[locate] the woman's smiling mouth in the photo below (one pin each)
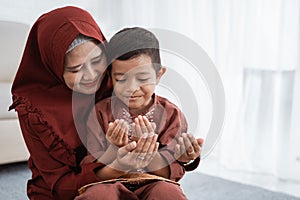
(90, 84)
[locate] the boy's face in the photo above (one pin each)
(134, 82)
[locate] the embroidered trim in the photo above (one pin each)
(129, 119)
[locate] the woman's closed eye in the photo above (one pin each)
(120, 80)
(73, 69)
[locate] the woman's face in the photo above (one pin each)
(83, 68)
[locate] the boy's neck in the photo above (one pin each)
(141, 111)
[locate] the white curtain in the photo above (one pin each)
(255, 47)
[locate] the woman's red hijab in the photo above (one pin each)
(39, 84)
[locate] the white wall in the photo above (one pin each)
(27, 11)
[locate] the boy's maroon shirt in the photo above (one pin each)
(170, 124)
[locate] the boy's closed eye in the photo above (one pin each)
(122, 80)
(143, 79)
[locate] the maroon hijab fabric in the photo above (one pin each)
(39, 79)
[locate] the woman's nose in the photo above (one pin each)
(90, 73)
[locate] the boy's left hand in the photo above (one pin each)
(141, 128)
(188, 148)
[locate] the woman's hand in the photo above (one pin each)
(188, 148)
(145, 147)
(136, 155)
(117, 133)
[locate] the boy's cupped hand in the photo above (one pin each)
(117, 133)
(188, 148)
(142, 128)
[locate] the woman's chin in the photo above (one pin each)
(87, 91)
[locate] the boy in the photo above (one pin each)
(134, 111)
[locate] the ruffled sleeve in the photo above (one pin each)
(53, 159)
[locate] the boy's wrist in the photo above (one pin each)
(191, 165)
(184, 163)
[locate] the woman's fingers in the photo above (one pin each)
(140, 144)
(123, 151)
(139, 157)
(125, 159)
(151, 153)
(146, 141)
(146, 150)
(141, 154)
(150, 145)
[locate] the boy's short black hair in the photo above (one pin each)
(133, 42)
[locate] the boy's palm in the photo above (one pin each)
(117, 133)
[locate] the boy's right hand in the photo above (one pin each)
(117, 133)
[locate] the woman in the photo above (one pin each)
(43, 99)
(61, 43)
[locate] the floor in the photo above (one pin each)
(210, 166)
(13, 178)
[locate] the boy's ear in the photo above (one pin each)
(160, 73)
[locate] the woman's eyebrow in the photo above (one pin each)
(118, 74)
(96, 57)
(76, 66)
